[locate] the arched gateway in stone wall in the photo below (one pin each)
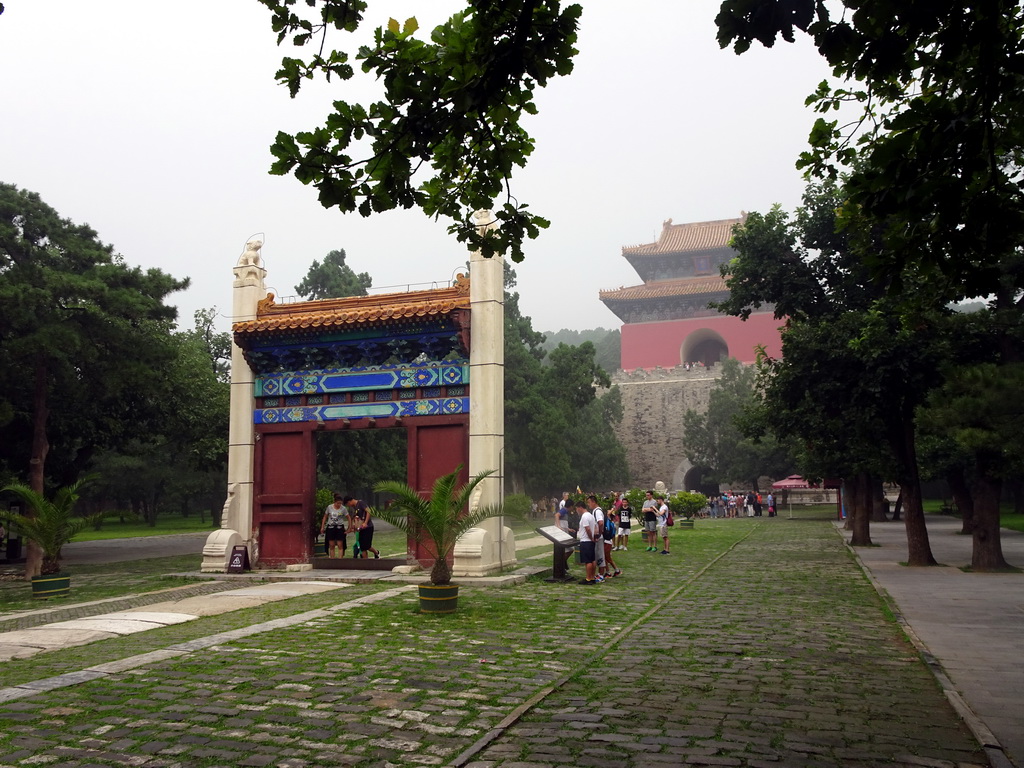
(429, 362)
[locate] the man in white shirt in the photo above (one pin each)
(663, 524)
(587, 535)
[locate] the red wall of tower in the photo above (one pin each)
(647, 345)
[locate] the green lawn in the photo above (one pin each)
(1007, 517)
(1011, 520)
(130, 528)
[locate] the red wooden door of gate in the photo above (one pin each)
(285, 492)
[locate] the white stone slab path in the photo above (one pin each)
(24, 643)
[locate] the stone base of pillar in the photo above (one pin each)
(477, 553)
(217, 551)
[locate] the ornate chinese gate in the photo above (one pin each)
(370, 362)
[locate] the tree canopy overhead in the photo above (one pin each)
(451, 111)
(937, 135)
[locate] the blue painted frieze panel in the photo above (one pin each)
(361, 379)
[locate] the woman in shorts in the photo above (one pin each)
(333, 527)
(625, 523)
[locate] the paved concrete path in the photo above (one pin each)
(972, 624)
(140, 548)
(756, 643)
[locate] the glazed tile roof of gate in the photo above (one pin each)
(357, 311)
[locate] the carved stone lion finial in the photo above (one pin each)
(251, 255)
(484, 220)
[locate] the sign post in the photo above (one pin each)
(562, 543)
(239, 561)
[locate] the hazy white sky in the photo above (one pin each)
(151, 122)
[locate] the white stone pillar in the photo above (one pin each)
(491, 546)
(249, 288)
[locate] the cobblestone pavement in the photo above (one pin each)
(756, 643)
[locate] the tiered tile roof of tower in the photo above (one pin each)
(682, 238)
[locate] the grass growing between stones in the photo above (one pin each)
(767, 655)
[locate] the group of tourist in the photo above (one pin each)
(344, 516)
(750, 504)
(601, 533)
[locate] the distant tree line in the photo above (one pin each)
(94, 376)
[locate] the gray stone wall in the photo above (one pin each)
(651, 430)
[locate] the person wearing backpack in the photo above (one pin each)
(608, 532)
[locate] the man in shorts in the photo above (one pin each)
(662, 521)
(625, 523)
(588, 536)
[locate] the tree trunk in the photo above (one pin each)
(919, 551)
(987, 549)
(37, 461)
(879, 506)
(897, 510)
(1017, 491)
(861, 510)
(962, 498)
(215, 513)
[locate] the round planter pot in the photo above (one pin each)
(51, 585)
(685, 524)
(443, 599)
(320, 549)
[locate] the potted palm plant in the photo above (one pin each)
(50, 523)
(440, 519)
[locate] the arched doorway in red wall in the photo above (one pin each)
(703, 346)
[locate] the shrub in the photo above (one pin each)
(518, 505)
(686, 503)
(324, 498)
